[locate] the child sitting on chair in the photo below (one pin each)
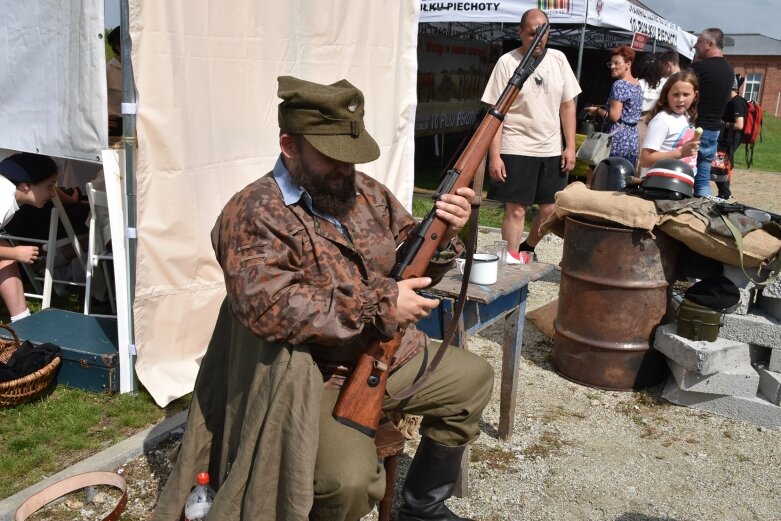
(24, 179)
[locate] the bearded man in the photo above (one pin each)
(306, 251)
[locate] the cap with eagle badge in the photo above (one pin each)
(330, 117)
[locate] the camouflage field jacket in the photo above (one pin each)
(293, 277)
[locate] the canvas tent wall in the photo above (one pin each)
(206, 126)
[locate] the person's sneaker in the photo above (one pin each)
(521, 257)
(513, 257)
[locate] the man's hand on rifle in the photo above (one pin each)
(454, 209)
(411, 307)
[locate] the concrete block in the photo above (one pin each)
(700, 356)
(770, 384)
(756, 410)
(773, 290)
(755, 328)
(774, 364)
(770, 305)
(747, 288)
(746, 302)
(742, 380)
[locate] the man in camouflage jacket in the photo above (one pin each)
(306, 251)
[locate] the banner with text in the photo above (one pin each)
(622, 14)
(558, 11)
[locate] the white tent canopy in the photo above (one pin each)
(620, 15)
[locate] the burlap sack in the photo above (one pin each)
(606, 207)
(758, 246)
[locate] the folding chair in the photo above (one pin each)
(97, 250)
(49, 249)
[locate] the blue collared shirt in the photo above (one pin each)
(292, 192)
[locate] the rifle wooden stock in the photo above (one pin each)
(360, 401)
(361, 398)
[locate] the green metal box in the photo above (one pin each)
(697, 322)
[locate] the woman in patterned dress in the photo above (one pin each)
(623, 106)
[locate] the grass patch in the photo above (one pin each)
(491, 215)
(767, 152)
(561, 412)
(41, 438)
(548, 444)
(495, 457)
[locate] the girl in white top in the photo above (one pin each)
(24, 179)
(670, 134)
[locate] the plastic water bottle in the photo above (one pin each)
(200, 499)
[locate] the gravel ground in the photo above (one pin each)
(584, 453)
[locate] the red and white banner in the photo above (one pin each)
(638, 41)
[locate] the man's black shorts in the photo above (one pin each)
(529, 180)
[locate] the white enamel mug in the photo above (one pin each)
(485, 267)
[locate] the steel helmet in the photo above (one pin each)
(669, 179)
(612, 174)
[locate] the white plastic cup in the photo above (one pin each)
(485, 268)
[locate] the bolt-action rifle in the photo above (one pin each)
(360, 401)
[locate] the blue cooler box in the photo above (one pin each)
(88, 346)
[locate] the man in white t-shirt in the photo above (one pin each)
(527, 161)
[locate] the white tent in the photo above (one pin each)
(628, 16)
(206, 126)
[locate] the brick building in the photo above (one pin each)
(758, 58)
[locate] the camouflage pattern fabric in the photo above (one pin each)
(293, 277)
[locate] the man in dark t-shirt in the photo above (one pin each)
(716, 77)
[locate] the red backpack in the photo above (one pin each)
(752, 129)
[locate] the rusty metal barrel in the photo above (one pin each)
(615, 287)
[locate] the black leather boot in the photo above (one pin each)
(430, 481)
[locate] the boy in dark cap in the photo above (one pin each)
(24, 179)
(306, 251)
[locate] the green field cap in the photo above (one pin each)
(330, 117)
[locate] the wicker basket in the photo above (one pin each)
(28, 387)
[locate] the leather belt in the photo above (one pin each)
(68, 485)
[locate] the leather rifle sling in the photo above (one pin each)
(72, 484)
(477, 186)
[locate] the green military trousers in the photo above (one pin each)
(349, 480)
